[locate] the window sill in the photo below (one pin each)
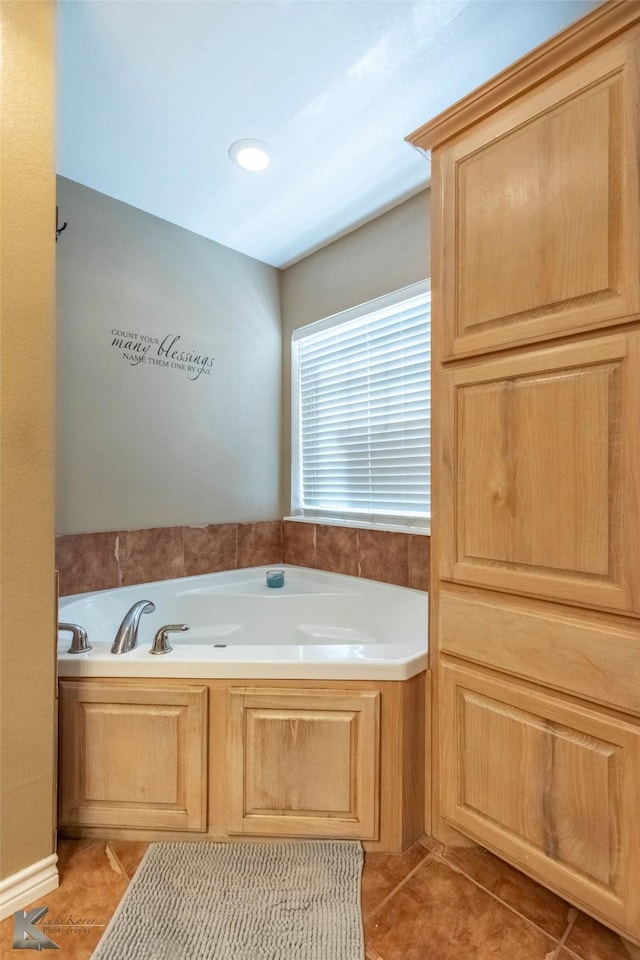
(424, 531)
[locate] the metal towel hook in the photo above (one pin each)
(59, 228)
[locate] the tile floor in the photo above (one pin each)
(431, 903)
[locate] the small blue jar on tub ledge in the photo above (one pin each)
(275, 578)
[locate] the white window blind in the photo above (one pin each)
(362, 396)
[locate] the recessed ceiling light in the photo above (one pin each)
(250, 154)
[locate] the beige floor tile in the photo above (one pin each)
(440, 905)
(590, 940)
(536, 903)
(430, 843)
(81, 907)
(129, 853)
(438, 914)
(383, 872)
(90, 886)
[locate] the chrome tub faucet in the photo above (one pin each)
(161, 640)
(79, 640)
(127, 635)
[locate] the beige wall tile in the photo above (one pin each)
(384, 556)
(210, 549)
(337, 549)
(148, 555)
(87, 562)
(259, 543)
(299, 544)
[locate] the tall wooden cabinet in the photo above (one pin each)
(535, 593)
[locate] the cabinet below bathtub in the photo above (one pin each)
(170, 759)
(304, 761)
(133, 755)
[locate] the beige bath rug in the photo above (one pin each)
(241, 901)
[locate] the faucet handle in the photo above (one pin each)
(161, 639)
(79, 640)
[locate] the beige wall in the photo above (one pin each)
(384, 255)
(144, 446)
(27, 639)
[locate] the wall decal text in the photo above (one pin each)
(166, 353)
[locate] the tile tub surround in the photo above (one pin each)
(87, 561)
(429, 903)
(398, 558)
(101, 561)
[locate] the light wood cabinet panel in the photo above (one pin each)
(360, 746)
(304, 763)
(535, 547)
(540, 210)
(543, 448)
(593, 656)
(549, 783)
(133, 755)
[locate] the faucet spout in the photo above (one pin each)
(127, 635)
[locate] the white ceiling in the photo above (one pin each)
(153, 92)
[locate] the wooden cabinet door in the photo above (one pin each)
(133, 755)
(547, 783)
(539, 493)
(304, 763)
(539, 232)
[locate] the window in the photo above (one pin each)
(360, 408)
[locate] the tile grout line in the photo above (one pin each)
(371, 954)
(396, 888)
(573, 916)
(489, 893)
(436, 846)
(112, 854)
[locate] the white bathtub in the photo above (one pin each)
(318, 626)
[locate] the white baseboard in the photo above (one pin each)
(28, 885)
